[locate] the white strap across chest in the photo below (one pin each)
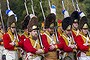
(51, 40)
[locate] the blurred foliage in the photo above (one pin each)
(18, 7)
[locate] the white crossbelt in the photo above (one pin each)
(52, 41)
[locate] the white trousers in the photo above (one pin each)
(1, 52)
(10, 55)
(84, 57)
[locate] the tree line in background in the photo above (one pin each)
(19, 9)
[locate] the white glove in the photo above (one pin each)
(85, 44)
(39, 51)
(12, 43)
(52, 47)
(72, 46)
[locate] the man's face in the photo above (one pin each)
(51, 31)
(13, 29)
(68, 32)
(34, 33)
(85, 31)
(26, 30)
(75, 25)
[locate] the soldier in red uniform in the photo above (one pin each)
(11, 41)
(24, 27)
(83, 40)
(25, 34)
(75, 17)
(51, 37)
(35, 47)
(67, 40)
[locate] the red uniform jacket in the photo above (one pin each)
(22, 41)
(62, 45)
(7, 41)
(29, 48)
(80, 42)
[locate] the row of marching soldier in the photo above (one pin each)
(35, 44)
(69, 40)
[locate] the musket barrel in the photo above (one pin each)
(2, 19)
(49, 4)
(8, 5)
(42, 10)
(63, 5)
(32, 7)
(73, 4)
(26, 7)
(40, 39)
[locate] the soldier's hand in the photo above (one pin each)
(52, 47)
(12, 43)
(85, 44)
(39, 51)
(72, 46)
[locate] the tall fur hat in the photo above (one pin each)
(66, 23)
(49, 20)
(75, 16)
(83, 21)
(25, 22)
(33, 24)
(11, 20)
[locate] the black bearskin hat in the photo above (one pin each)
(33, 24)
(66, 22)
(83, 21)
(25, 22)
(75, 16)
(49, 20)
(11, 20)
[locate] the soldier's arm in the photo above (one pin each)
(65, 47)
(28, 46)
(80, 43)
(45, 43)
(7, 41)
(21, 41)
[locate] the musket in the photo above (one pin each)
(8, 9)
(15, 19)
(73, 4)
(49, 4)
(42, 11)
(40, 39)
(63, 6)
(32, 7)
(77, 6)
(26, 7)
(8, 5)
(2, 19)
(56, 34)
(75, 52)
